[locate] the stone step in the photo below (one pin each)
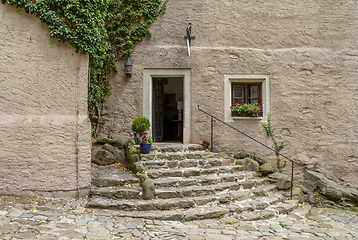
(281, 208)
(181, 192)
(170, 204)
(177, 215)
(168, 178)
(172, 156)
(186, 163)
(239, 201)
(112, 176)
(176, 148)
(191, 172)
(196, 191)
(117, 192)
(187, 209)
(249, 205)
(264, 190)
(204, 180)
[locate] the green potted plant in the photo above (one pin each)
(139, 126)
(145, 144)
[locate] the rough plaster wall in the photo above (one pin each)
(43, 83)
(308, 48)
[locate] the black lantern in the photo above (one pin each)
(128, 68)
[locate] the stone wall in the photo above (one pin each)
(309, 49)
(43, 108)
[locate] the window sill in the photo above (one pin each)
(247, 118)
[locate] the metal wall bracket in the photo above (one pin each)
(188, 37)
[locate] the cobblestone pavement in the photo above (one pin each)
(40, 218)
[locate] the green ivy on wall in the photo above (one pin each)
(105, 29)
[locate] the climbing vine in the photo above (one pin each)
(105, 29)
(278, 146)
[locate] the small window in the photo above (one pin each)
(246, 89)
(246, 93)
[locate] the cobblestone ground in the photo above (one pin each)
(40, 218)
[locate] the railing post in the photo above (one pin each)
(291, 180)
(212, 134)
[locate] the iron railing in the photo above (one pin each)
(212, 139)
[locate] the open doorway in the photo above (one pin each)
(168, 109)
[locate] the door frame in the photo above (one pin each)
(148, 75)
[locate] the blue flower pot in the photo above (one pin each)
(145, 147)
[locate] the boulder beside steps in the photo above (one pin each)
(190, 183)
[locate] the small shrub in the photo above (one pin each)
(140, 124)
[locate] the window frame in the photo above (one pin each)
(231, 80)
(246, 98)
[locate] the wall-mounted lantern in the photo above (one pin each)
(128, 68)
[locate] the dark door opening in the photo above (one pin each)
(168, 109)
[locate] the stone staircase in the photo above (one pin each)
(190, 183)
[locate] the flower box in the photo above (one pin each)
(246, 110)
(245, 114)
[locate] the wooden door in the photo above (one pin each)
(158, 110)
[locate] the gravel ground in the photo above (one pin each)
(43, 218)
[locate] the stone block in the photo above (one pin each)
(187, 182)
(258, 205)
(173, 164)
(172, 173)
(153, 175)
(266, 168)
(188, 163)
(191, 172)
(246, 206)
(224, 199)
(238, 196)
(203, 191)
(166, 193)
(283, 181)
(228, 178)
(237, 168)
(315, 181)
(249, 164)
(103, 157)
(235, 208)
(247, 184)
(145, 206)
(214, 162)
(204, 200)
(154, 164)
(209, 171)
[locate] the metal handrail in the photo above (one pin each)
(212, 127)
